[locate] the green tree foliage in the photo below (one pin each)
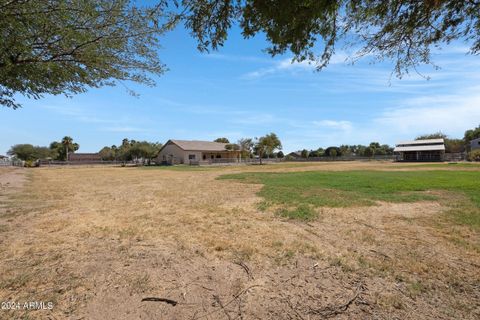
(123, 152)
(329, 152)
(107, 154)
(403, 31)
(221, 140)
(246, 147)
(64, 47)
(451, 144)
(345, 150)
(131, 150)
(471, 134)
(385, 149)
(280, 155)
(60, 149)
(304, 153)
(474, 155)
(374, 148)
(359, 150)
(267, 144)
(436, 135)
(369, 152)
(28, 152)
(454, 145)
(232, 147)
(312, 153)
(144, 150)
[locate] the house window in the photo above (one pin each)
(191, 157)
(219, 156)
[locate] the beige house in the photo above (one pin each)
(194, 151)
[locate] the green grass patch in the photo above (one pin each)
(297, 191)
(301, 212)
(460, 165)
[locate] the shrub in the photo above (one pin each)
(474, 155)
(31, 163)
(301, 212)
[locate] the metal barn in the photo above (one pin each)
(420, 150)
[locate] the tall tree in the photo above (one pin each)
(267, 144)
(28, 152)
(69, 145)
(144, 150)
(61, 149)
(107, 153)
(66, 46)
(67, 142)
(304, 154)
(374, 147)
(403, 31)
(471, 134)
(436, 135)
(221, 140)
(246, 146)
(132, 150)
(451, 144)
(329, 152)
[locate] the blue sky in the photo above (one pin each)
(240, 91)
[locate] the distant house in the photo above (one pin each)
(420, 150)
(3, 157)
(193, 151)
(475, 144)
(84, 157)
(295, 155)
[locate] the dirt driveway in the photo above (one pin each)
(95, 242)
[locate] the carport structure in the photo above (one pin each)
(420, 150)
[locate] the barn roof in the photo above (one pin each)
(420, 142)
(421, 145)
(438, 147)
(296, 154)
(198, 145)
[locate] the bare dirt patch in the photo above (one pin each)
(96, 241)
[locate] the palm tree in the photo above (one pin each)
(67, 142)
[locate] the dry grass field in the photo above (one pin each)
(95, 241)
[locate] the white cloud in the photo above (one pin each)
(334, 124)
(288, 65)
(280, 66)
(236, 58)
(451, 114)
